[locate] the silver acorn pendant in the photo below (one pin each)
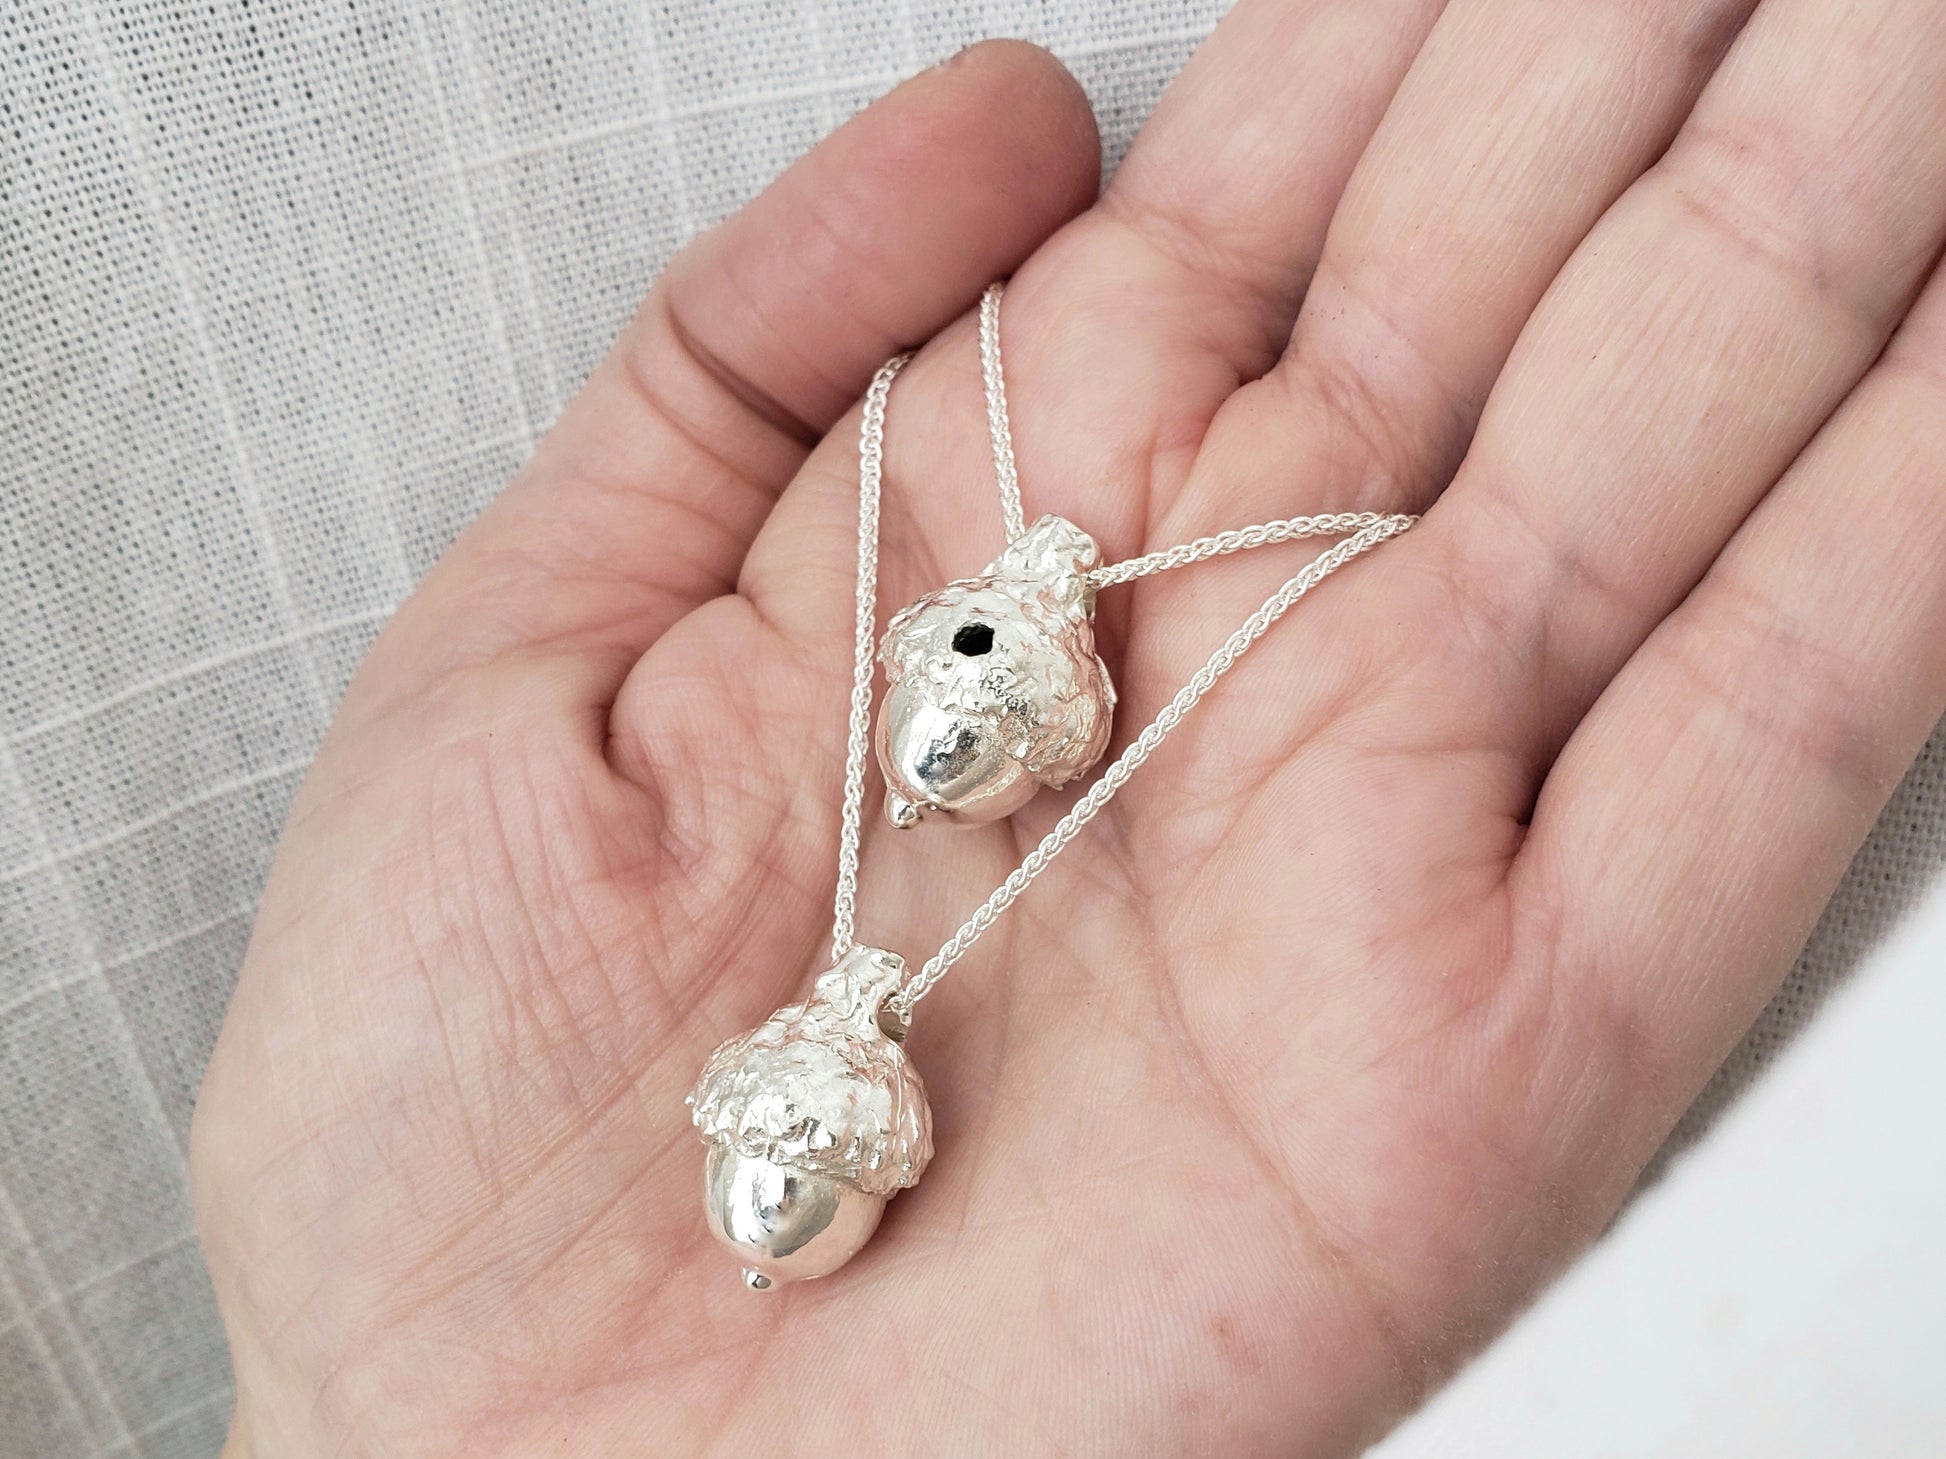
(814, 1120)
(996, 688)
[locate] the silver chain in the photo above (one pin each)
(1368, 529)
(871, 477)
(1240, 539)
(995, 384)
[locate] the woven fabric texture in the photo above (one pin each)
(287, 290)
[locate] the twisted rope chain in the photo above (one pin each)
(871, 477)
(1240, 539)
(1368, 529)
(995, 384)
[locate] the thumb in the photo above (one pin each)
(642, 501)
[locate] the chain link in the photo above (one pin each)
(871, 476)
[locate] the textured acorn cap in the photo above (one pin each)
(822, 1087)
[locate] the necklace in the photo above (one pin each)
(816, 1118)
(994, 686)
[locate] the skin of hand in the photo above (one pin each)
(1359, 1012)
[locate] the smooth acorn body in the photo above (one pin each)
(995, 686)
(814, 1119)
(785, 1224)
(947, 760)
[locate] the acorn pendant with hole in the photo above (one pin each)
(996, 688)
(814, 1119)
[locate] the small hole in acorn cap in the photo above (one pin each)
(973, 639)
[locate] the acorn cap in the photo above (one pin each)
(822, 1086)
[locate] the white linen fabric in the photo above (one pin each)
(287, 289)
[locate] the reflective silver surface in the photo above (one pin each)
(946, 761)
(814, 1119)
(783, 1223)
(996, 688)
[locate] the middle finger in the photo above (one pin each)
(1520, 122)
(1699, 337)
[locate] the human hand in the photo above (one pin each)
(1360, 1011)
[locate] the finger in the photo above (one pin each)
(1520, 122)
(1709, 324)
(643, 500)
(1125, 334)
(1701, 816)
(1230, 186)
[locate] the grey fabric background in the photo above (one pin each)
(286, 290)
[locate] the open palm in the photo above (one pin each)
(1363, 1006)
